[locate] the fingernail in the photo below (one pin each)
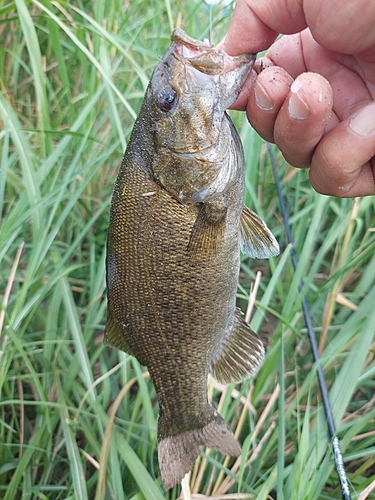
(363, 123)
(262, 98)
(297, 107)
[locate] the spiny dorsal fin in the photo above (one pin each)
(114, 335)
(257, 241)
(240, 354)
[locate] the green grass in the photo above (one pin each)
(78, 420)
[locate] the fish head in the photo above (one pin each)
(189, 91)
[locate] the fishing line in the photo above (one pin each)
(339, 463)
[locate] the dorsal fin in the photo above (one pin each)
(114, 335)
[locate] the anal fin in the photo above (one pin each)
(114, 335)
(257, 241)
(240, 353)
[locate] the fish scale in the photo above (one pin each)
(177, 222)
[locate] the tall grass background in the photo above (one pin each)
(77, 419)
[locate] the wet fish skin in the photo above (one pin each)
(177, 222)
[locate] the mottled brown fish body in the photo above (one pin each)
(173, 254)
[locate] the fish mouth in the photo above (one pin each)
(178, 35)
(204, 57)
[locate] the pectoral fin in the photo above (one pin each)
(257, 241)
(207, 233)
(240, 354)
(114, 335)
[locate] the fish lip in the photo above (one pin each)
(178, 35)
(188, 154)
(204, 57)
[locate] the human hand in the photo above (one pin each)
(314, 95)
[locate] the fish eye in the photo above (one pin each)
(167, 99)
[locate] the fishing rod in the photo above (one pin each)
(339, 462)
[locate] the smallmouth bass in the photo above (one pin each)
(177, 224)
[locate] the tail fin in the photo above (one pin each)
(177, 454)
